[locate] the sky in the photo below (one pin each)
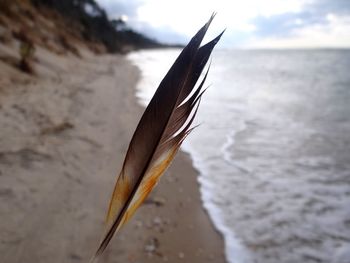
(248, 23)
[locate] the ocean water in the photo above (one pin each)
(272, 150)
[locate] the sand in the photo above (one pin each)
(63, 137)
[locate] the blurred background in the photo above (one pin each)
(272, 152)
(249, 24)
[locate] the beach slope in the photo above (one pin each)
(63, 138)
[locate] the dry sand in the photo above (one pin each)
(63, 136)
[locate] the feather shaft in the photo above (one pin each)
(164, 125)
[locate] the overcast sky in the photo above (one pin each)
(248, 23)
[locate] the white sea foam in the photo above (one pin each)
(235, 251)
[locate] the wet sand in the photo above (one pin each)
(63, 137)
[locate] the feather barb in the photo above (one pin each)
(163, 126)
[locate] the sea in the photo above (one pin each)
(272, 150)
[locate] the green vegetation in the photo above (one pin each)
(26, 51)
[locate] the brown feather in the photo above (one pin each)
(162, 128)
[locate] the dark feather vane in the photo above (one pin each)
(163, 126)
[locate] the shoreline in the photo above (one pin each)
(144, 92)
(172, 234)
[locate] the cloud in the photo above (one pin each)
(334, 33)
(276, 22)
(323, 7)
(312, 14)
(121, 7)
(320, 23)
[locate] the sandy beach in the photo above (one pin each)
(63, 137)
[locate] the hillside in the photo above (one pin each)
(64, 26)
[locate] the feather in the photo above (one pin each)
(163, 126)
